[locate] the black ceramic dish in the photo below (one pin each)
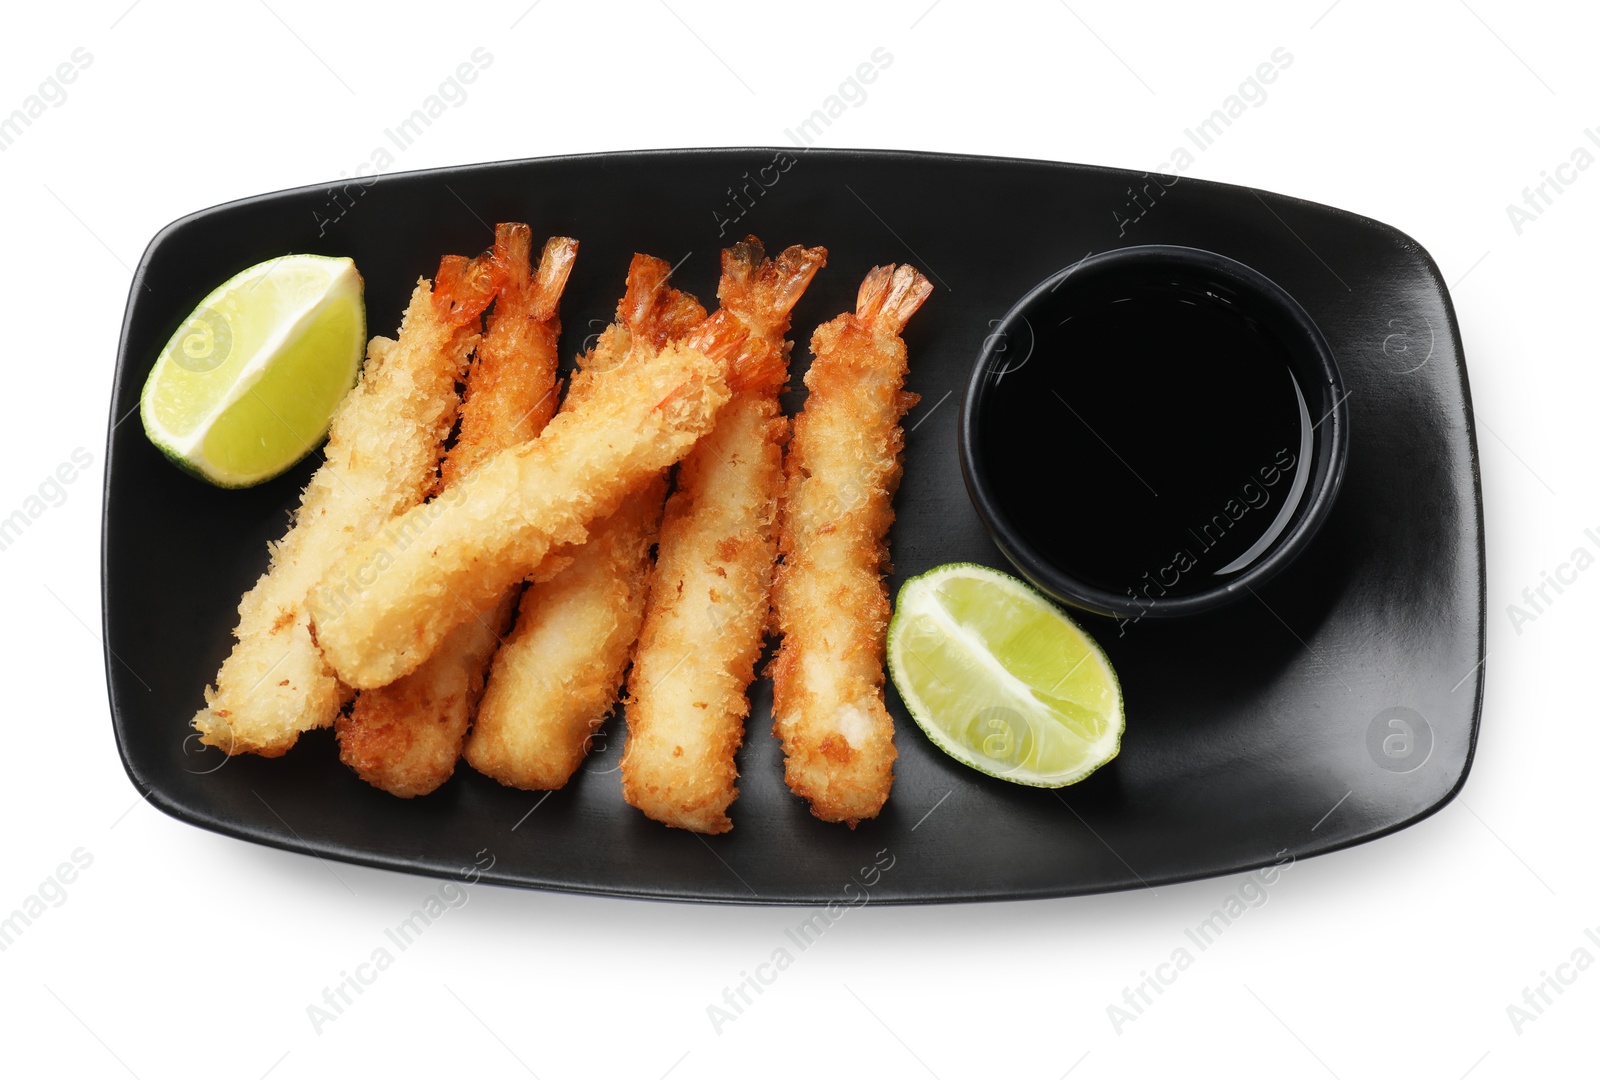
(1255, 733)
(1261, 307)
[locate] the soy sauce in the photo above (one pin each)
(1150, 437)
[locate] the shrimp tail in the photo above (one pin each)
(513, 242)
(464, 287)
(764, 291)
(555, 265)
(653, 310)
(757, 295)
(890, 295)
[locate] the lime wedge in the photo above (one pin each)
(1001, 679)
(248, 384)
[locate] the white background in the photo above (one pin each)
(181, 953)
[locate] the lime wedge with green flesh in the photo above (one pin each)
(248, 384)
(1000, 679)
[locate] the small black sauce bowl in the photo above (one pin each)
(1230, 282)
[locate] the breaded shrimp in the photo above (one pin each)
(405, 737)
(708, 604)
(556, 678)
(512, 390)
(380, 459)
(557, 675)
(650, 315)
(386, 605)
(830, 603)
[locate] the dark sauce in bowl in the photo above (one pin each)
(1144, 433)
(1154, 432)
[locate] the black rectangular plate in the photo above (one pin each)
(1253, 735)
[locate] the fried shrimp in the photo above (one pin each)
(709, 594)
(406, 737)
(830, 603)
(386, 605)
(556, 677)
(380, 460)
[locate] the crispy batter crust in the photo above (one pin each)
(704, 623)
(380, 459)
(556, 677)
(385, 607)
(558, 674)
(830, 603)
(512, 389)
(406, 737)
(709, 595)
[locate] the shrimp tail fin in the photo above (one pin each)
(757, 295)
(763, 291)
(464, 287)
(651, 308)
(891, 295)
(513, 244)
(555, 266)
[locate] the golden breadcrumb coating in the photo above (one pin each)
(558, 674)
(830, 603)
(380, 460)
(406, 737)
(709, 596)
(385, 606)
(556, 677)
